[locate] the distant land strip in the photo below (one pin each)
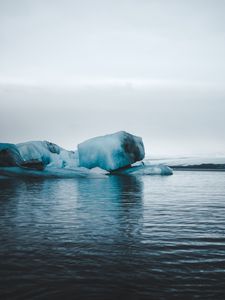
(201, 167)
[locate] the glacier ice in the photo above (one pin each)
(42, 159)
(49, 154)
(118, 153)
(111, 152)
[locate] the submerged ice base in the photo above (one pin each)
(52, 173)
(81, 172)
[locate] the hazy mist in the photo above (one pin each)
(70, 70)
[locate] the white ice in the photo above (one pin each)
(141, 169)
(111, 151)
(56, 158)
(93, 159)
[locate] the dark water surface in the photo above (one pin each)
(149, 237)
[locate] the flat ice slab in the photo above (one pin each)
(111, 152)
(140, 169)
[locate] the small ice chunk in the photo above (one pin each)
(53, 147)
(100, 171)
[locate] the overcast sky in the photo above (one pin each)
(70, 70)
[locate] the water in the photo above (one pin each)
(149, 237)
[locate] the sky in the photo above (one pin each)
(71, 70)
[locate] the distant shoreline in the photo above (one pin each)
(202, 167)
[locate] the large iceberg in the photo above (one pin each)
(111, 152)
(118, 153)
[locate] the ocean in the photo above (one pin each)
(119, 237)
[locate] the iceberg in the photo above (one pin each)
(111, 152)
(119, 153)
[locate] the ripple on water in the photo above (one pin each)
(130, 237)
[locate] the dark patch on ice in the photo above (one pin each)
(53, 147)
(9, 156)
(131, 148)
(34, 164)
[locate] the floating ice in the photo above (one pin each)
(111, 152)
(142, 169)
(97, 157)
(42, 159)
